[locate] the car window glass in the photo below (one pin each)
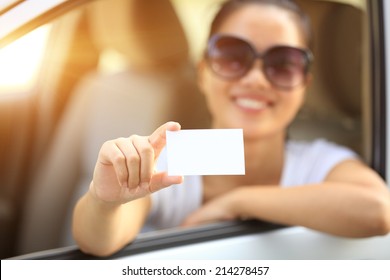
(18, 67)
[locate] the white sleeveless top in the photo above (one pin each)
(306, 163)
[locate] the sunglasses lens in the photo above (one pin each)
(229, 57)
(286, 67)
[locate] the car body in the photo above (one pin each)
(104, 60)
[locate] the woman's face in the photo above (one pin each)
(252, 102)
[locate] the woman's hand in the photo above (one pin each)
(221, 208)
(124, 169)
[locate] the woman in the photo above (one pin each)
(253, 76)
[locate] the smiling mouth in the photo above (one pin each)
(250, 103)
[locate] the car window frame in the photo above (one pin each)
(40, 17)
(163, 239)
(378, 87)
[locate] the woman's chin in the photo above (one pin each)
(260, 132)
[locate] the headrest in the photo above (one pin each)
(148, 33)
(338, 40)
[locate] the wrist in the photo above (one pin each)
(238, 203)
(96, 200)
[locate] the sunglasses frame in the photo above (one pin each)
(307, 54)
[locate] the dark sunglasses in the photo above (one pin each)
(231, 58)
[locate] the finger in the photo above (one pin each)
(161, 180)
(201, 216)
(196, 218)
(158, 138)
(189, 221)
(110, 154)
(146, 153)
(212, 211)
(132, 160)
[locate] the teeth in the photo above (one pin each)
(250, 103)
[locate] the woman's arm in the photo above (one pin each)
(353, 201)
(102, 228)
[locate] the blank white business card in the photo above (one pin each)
(205, 152)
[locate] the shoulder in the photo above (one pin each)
(317, 147)
(311, 161)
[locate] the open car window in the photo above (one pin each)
(95, 68)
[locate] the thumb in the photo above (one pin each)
(161, 180)
(158, 138)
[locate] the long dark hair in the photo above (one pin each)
(229, 6)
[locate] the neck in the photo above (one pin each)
(264, 157)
